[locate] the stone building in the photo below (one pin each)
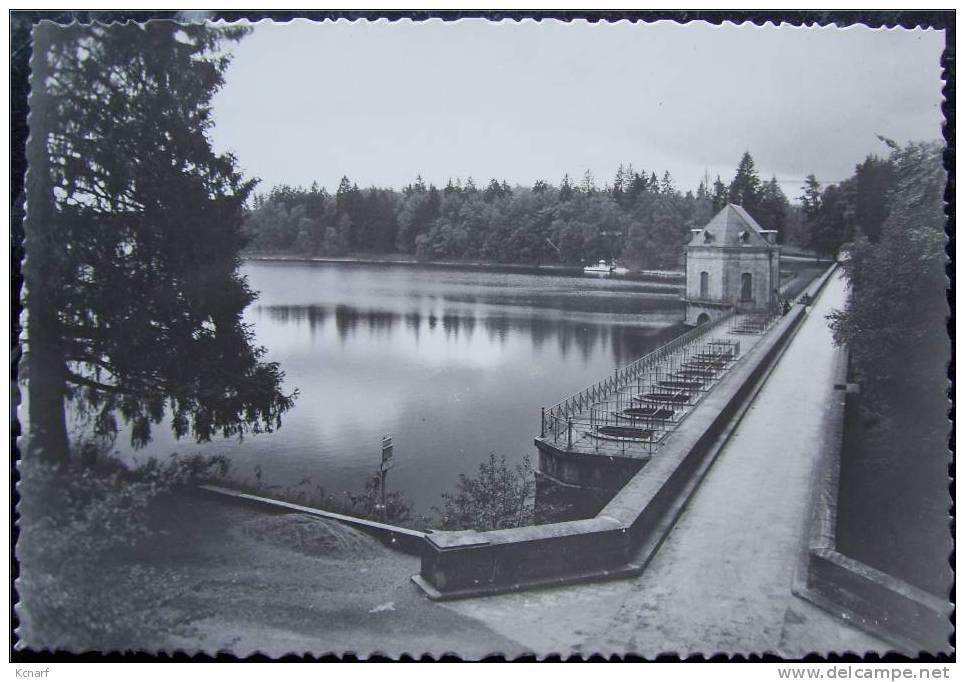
(731, 263)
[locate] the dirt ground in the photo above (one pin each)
(254, 582)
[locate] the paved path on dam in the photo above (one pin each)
(722, 580)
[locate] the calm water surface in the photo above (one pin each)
(453, 365)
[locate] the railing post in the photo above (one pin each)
(569, 433)
(542, 422)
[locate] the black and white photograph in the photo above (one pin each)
(425, 336)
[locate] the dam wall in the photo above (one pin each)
(620, 540)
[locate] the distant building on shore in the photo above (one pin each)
(732, 263)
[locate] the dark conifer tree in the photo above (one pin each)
(133, 295)
(811, 198)
(772, 208)
(745, 188)
(875, 179)
(720, 195)
(588, 186)
(566, 188)
(493, 190)
(666, 185)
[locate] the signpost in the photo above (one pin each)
(386, 452)
(384, 469)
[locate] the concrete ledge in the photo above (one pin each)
(403, 539)
(470, 563)
(628, 570)
(578, 469)
(900, 613)
(907, 617)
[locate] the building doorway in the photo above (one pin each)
(746, 287)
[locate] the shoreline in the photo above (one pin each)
(672, 277)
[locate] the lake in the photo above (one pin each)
(452, 364)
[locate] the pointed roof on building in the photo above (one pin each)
(733, 226)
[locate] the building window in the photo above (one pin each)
(704, 277)
(746, 287)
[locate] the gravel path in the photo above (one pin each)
(253, 582)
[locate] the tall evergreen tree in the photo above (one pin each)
(772, 208)
(745, 188)
(720, 195)
(666, 184)
(494, 190)
(875, 179)
(811, 198)
(343, 196)
(566, 188)
(702, 191)
(588, 186)
(832, 225)
(619, 184)
(133, 296)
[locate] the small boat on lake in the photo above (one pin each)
(605, 268)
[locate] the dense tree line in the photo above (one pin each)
(639, 218)
(843, 212)
(889, 219)
(894, 322)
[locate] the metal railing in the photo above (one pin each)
(642, 412)
(757, 322)
(621, 378)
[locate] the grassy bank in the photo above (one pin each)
(114, 560)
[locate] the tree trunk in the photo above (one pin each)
(46, 386)
(46, 367)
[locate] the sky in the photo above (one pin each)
(383, 102)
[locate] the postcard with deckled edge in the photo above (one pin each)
(482, 338)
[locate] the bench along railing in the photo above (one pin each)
(621, 378)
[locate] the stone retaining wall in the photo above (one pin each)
(396, 537)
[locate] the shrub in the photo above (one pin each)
(80, 586)
(364, 504)
(500, 496)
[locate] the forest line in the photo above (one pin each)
(638, 218)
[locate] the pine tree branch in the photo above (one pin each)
(79, 380)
